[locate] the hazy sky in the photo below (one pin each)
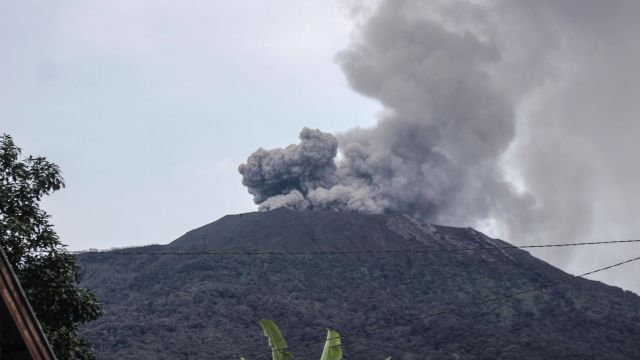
(149, 106)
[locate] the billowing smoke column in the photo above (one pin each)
(477, 96)
(284, 177)
(435, 151)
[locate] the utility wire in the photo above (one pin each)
(486, 300)
(337, 252)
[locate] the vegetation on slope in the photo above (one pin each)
(206, 306)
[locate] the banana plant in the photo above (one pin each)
(332, 347)
(276, 340)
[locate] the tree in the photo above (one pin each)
(47, 272)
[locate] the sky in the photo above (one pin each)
(150, 106)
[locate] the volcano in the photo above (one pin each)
(200, 305)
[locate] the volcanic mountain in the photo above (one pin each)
(199, 305)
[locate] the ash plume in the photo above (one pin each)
(435, 151)
(282, 177)
(517, 117)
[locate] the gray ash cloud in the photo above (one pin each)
(435, 150)
(283, 177)
(480, 98)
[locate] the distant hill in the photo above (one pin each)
(208, 306)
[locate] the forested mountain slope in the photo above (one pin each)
(208, 306)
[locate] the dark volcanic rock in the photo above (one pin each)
(208, 306)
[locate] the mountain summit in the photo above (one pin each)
(203, 306)
(290, 230)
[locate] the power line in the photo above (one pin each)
(486, 300)
(337, 252)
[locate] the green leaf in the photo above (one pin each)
(332, 347)
(276, 340)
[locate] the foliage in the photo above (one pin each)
(276, 340)
(332, 347)
(48, 274)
